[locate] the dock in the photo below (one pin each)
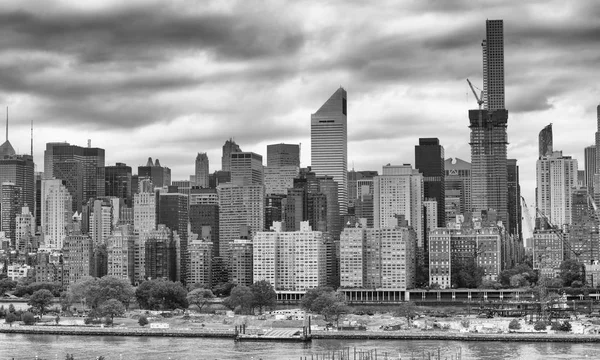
(279, 335)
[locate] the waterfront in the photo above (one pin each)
(27, 346)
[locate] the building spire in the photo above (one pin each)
(7, 123)
(31, 137)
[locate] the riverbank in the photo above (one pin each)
(332, 335)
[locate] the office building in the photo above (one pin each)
(399, 191)
(582, 234)
(219, 177)
(202, 216)
(19, 170)
(429, 160)
(273, 210)
(590, 167)
(239, 206)
(458, 187)
(11, 204)
(279, 179)
(201, 171)
(246, 169)
(161, 233)
(81, 167)
(160, 255)
(173, 213)
(56, 213)
(117, 182)
(100, 220)
(144, 211)
(378, 258)
(280, 155)
(545, 142)
(24, 230)
(329, 143)
(202, 196)
(556, 178)
(159, 175)
(493, 65)
(229, 148)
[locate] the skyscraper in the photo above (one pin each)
(56, 213)
(488, 130)
(514, 199)
(279, 155)
(556, 179)
(160, 176)
(458, 187)
(329, 143)
(246, 168)
(545, 141)
(493, 65)
(596, 182)
(11, 204)
(229, 148)
(590, 167)
(429, 160)
(173, 212)
(202, 170)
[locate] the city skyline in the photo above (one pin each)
(125, 95)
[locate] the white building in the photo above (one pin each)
(199, 269)
(18, 271)
(378, 258)
(56, 213)
(144, 211)
(120, 248)
(24, 228)
(329, 143)
(399, 191)
(556, 179)
(290, 260)
(101, 221)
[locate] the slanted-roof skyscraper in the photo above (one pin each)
(329, 143)
(229, 148)
(488, 130)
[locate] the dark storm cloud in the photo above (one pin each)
(143, 34)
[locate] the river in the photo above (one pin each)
(19, 346)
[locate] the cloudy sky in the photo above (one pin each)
(168, 79)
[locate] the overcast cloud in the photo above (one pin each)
(170, 79)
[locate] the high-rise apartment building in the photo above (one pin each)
(144, 211)
(173, 213)
(488, 130)
(56, 213)
(458, 188)
(202, 171)
(290, 260)
(229, 148)
(279, 155)
(514, 200)
(24, 230)
(120, 248)
(117, 182)
(329, 143)
(378, 258)
(161, 256)
(556, 179)
(100, 220)
(200, 267)
(583, 232)
(429, 160)
(202, 216)
(160, 233)
(240, 262)
(279, 179)
(239, 206)
(246, 169)
(159, 175)
(78, 258)
(399, 191)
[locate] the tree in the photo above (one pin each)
(331, 305)
(143, 321)
(241, 296)
(199, 297)
(264, 295)
(406, 310)
(10, 318)
(112, 287)
(28, 318)
(467, 274)
(223, 289)
(66, 300)
(540, 325)
(161, 295)
(40, 300)
(57, 319)
(111, 308)
(514, 324)
(571, 270)
(311, 295)
(490, 284)
(6, 285)
(518, 281)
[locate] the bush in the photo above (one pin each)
(28, 318)
(540, 325)
(143, 321)
(465, 323)
(10, 318)
(108, 321)
(555, 326)
(566, 326)
(514, 324)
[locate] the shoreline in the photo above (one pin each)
(316, 335)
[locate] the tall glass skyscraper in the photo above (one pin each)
(488, 130)
(429, 160)
(329, 143)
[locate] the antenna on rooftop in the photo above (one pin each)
(7, 123)
(31, 137)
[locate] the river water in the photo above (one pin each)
(20, 346)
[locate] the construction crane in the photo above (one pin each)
(527, 215)
(478, 98)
